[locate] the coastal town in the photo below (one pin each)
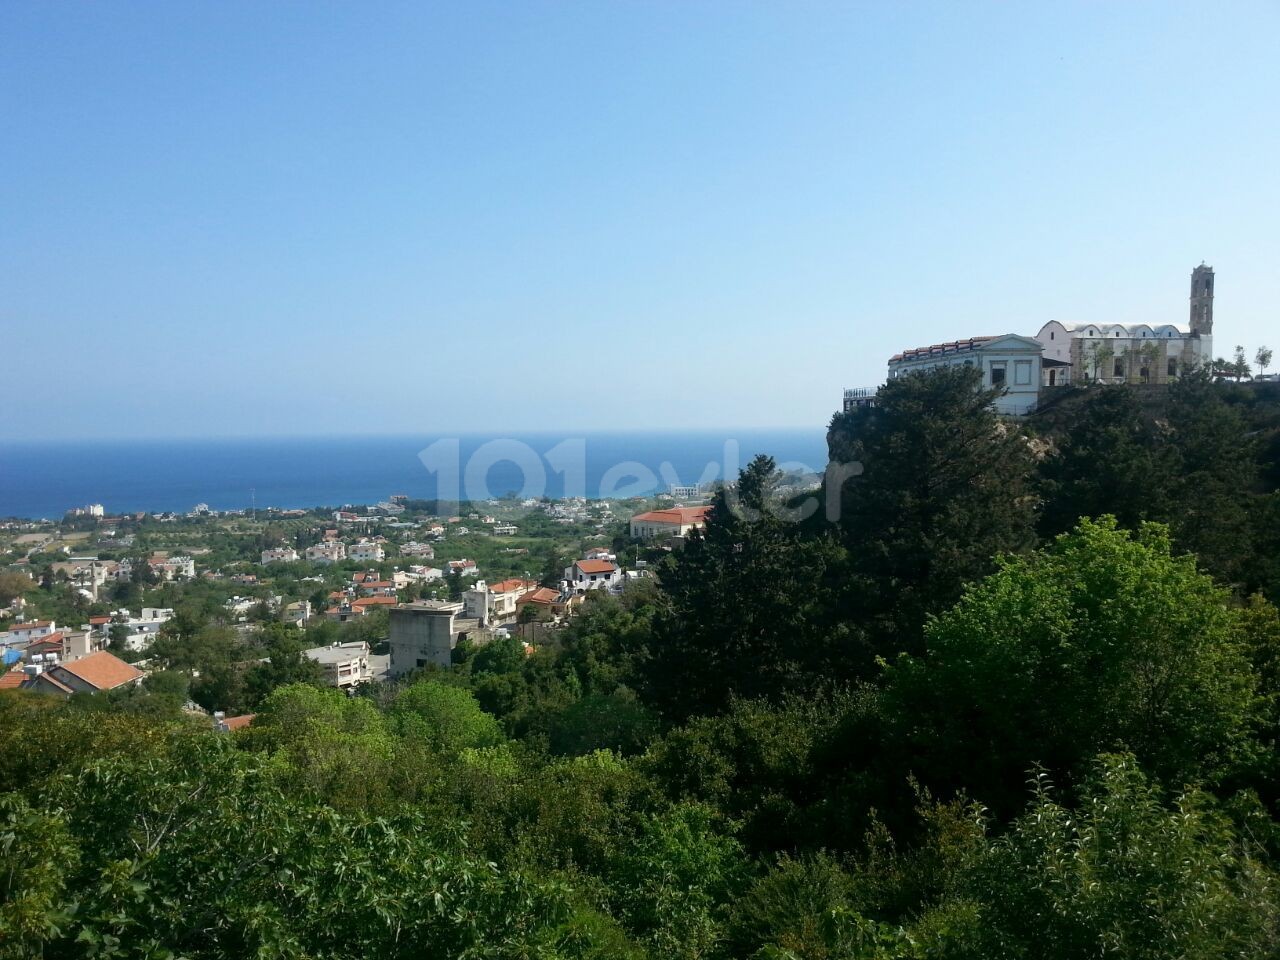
(372, 593)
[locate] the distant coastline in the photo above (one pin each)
(44, 479)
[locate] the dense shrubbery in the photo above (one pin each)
(917, 731)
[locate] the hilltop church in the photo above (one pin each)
(1133, 353)
(1072, 353)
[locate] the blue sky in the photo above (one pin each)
(248, 218)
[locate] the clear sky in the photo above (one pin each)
(266, 218)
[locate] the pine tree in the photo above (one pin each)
(945, 488)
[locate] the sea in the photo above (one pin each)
(44, 479)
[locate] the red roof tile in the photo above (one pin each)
(595, 566)
(103, 670)
(675, 515)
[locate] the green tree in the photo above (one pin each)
(12, 586)
(1100, 354)
(1107, 460)
(447, 718)
(945, 487)
(1263, 359)
(1103, 639)
(1121, 874)
(284, 662)
(1210, 497)
(1240, 364)
(746, 607)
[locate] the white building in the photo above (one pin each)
(586, 575)
(423, 551)
(1135, 352)
(1011, 363)
(673, 522)
(344, 664)
(174, 568)
(424, 573)
(298, 612)
(330, 551)
(279, 555)
(365, 550)
(21, 633)
(464, 568)
(495, 603)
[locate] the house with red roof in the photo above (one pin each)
(672, 522)
(92, 674)
(584, 575)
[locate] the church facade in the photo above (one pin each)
(1131, 353)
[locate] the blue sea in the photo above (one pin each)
(45, 479)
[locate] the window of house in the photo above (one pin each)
(1119, 367)
(1173, 367)
(1022, 372)
(1050, 334)
(997, 375)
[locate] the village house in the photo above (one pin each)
(279, 555)
(366, 551)
(344, 664)
(33, 630)
(224, 724)
(172, 568)
(672, 522)
(92, 674)
(425, 574)
(584, 575)
(326, 552)
(368, 587)
(464, 568)
(421, 551)
(298, 613)
(496, 603)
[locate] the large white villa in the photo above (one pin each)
(1073, 353)
(1009, 361)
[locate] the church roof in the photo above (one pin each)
(1130, 329)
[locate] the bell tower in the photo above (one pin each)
(1202, 301)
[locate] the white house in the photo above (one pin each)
(344, 664)
(464, 568)
(422, 551)
(425, 574)
(494, 603)
(279, 555)
(366, 550)
(326, 552)
(1011, 363)
(174, 568)
(27, 632)
(586, 575)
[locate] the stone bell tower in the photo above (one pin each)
(1202, 301)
